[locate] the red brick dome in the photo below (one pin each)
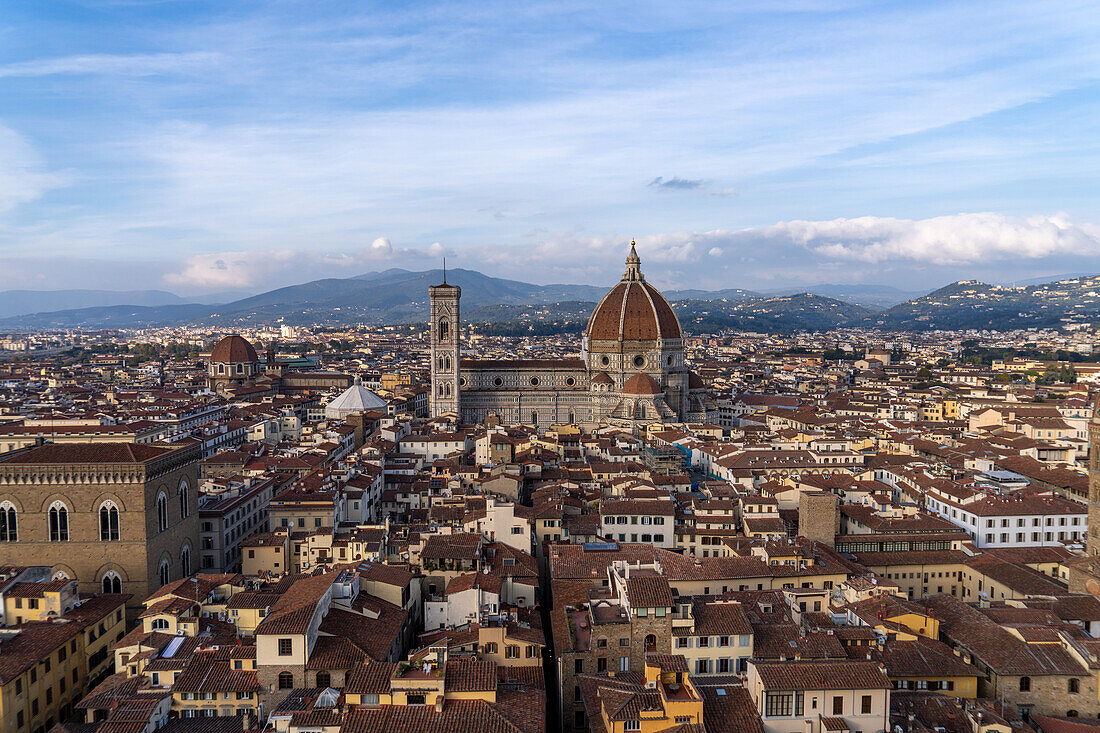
(233, 349)
(641, 384)
(633, 310)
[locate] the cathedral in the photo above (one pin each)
(630, 372)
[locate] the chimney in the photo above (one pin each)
(439, 704)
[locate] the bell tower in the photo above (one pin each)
(445, 347)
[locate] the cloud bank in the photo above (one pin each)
(718, 258)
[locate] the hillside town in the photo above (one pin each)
(414, 528)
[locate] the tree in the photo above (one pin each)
(924, 374)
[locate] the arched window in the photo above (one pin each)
(162, 512)
(534, 417)
(444, 329)
(1025, 684)
(324, 679)
(165, 574)
(1071, 713)
(286, 681)
(108, 521)
(1074, 686)
(112, 583)
(182, 493)
(8, 523)
(185, 561)
(59, 522)
(650, 643)
(60, 575)
(159, 624)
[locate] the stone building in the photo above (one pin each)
(233, 363)
(117, 517)
(630, 371)
(610, 630)
(818, 518)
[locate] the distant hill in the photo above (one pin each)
(970, 304)
(876, 297)
(498, 305)
(19, 302)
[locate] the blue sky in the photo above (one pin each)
(200, 147)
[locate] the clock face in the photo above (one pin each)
(1093, 586)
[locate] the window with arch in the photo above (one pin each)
(108, 521)
(112, 583)
(9, 527)
(162, 512)
(159, 624)
(181, 493)
(1025, 684)
(59, 522)
(286, 681)
(324, 679)
(534, 417)
(1071, 713)
(164, 574)
(444, 329)
(60, 575)
(185, 561)
(650, 642)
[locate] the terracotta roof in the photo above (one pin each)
(840, 675)
(633, 310)
(111, 453)
(648, 592)
(641, 384)
(233, 349)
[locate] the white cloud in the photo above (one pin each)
(111, 64)
(22, 175)
(269, 269)
(943, 240)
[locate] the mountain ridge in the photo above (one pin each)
(400, 296)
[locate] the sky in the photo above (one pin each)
(201, 147)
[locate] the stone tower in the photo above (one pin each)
(818, 518)
(1093, 544)
(445, 347)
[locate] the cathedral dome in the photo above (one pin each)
(233, 349)
(641, 384)
(633, 310)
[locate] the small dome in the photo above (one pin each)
(602, 378)
(633, 310)
(355, 398)
(641, 384)
(233, 349)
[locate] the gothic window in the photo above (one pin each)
(8, 523)
(534, 418)
(182, 493)
(112, 583)
(165, 574)
(162, 512)
(185, 561)
(108, 521)
(444, 329)
(59, 522)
